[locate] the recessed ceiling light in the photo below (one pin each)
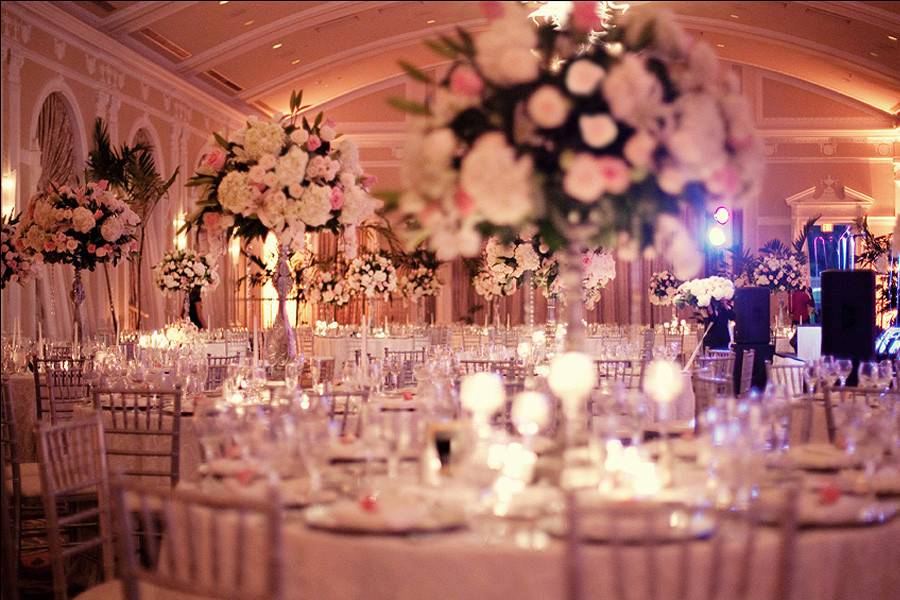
(295, 61)
(734, 16)
(873, 54)
(277, 46)
(893, 38)
(223, 2)
(720, 45)
(248, 23)
(429, 21)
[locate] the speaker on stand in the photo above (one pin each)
(752, 332)
(848, 316)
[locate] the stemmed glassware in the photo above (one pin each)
(844, 368)
(828, 370)
(868, 436)
(884, 374)
(811, 375)
(292, 371)
(867, 374)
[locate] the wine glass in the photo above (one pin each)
(812, 375)
(884, 374)
(867, 373)
(292, 370)
(867, 439)
(400, 431)
(844, 368)
(316, 434)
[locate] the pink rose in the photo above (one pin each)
(584, 16)
(583, 180)
(491, 10)
(214, 159)
(91, 248)
(614, 173)
(48, 246)
(211, 220)
(639, 148)
(465, 82)
(313, 143)
(337, 198)
(72, 245)
(98, 213)
(464, 202)
(368, 181)
(101, 251)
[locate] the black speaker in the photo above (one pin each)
(751, 311)
(848, 316)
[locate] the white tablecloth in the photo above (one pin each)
(850, 563)
(24, 404)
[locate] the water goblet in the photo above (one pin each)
(844, 368)
(811, 375)
(867, 374)
(884, 374)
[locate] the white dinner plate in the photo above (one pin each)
(390, 517)
(667, 526)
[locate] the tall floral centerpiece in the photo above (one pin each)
(82, 225)
(591, 142)
(371, 276)
(418, 278)
(710, 299)
(663, 289)
(16, 265)
(598, 269)
(286, 176)
(183, 271)
(518, 260)
(491, 285)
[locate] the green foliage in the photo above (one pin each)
(409, 106)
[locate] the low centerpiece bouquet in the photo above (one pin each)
(17, 266)
(663, 288)
(593, 142)
(285, 176)
(184, 270)
(779, 273)
(325, 286)
(82, 225)
(709, 298)
(491, 285)
(599, 268)
(372, 275)
(418, 277)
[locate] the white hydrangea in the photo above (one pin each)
(234, 192)
(499, 182)
(314, 208)
(262, 137)
(358, 206)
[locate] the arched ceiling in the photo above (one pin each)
(252, 54)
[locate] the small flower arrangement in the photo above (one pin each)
(598, 268)
(372, 275)
(17, 266)
(513, 259)
(779, 273)
(663, 288)
(490, 284)
(418, 282)
(287, 176)
(184, 270)
(707, 297)
(82, 225)
(323, 286)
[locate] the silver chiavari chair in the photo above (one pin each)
(73, 466)
(344, 409)
(58, 384)
(142, 432)
(305, 340)
(217, 369)
(628, 372)
(708, 388)
(789, 376)
(837, 398)
(406, 360)
(748, 357)
(471, 341)
(199, 545)
(668, 562)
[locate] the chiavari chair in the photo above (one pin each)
(471, 341)
(672, 565)
(196, 544)
(837, 397)
(628, 372)
(707, 389)
(142, 432)
(439, 336)
(73, 465)
(21, 480)
(470, 366)
(64, 378)
(217, 369)
(789, 376)
(344, 409)
(318, 369)
(305, 340)
(748, 358)
(406, 360)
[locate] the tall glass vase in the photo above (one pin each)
(528, 287)
(282, 345)
(78, 296)
(571, 275)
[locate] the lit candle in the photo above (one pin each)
(663, 382)
(482, 394)
(530, 412)
(40, 340)
(572, 377)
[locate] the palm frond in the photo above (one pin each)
(799, 243)
(775, 247)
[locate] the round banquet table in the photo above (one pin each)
(848, 563)
(343, 348)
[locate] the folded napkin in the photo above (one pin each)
(821, 457)
(386, 514)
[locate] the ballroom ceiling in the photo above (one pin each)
(252, 54)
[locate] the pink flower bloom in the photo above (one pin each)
(313, 143)
(368, 181)
(337, 198)
(491, 10)
(329, 122)
(214, 159)
(101, 251)
(725, 181)
(48, 246)
(465, 82)
(211, 220)
(98, 213)
(615, 174)
(584, 16)
(464, 202)
(91, 248)
(72, 245)
(102, 185)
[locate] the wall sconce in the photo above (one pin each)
(180, 238)
(9, 193)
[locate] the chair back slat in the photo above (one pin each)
(144, 431)
(748, 357)
(789, 376)
(217, 369)
(59, 383)
(198, 544)
(73, 463)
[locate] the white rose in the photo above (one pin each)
(547, 107)
(327, 133)
(299, 136)
(583, 76)
(314, 208)
(583, 179)
(112, 229)
(639, 148)
(498, 181)
(82, 220)
(271, 179)
(597, 131)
